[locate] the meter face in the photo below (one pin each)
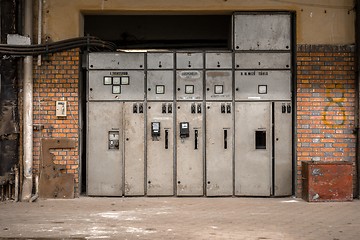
(116, 89)
(218, 89)
(189, 89)
(116, 80)
(125, 80)
(160, 89)
(156, 126)
(107, 80)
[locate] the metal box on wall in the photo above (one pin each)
(121, 60)
(189, 85)
(160, 85)
(160, 60)
(254, 31)
(262, 85)
(264, 60)
(327, 181)
(104, 85)
(218, 60)
(218, 85)
(189, 60)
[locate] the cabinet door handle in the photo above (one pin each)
(225, 138)
(166, 139)
(196, 134)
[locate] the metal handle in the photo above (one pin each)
(228, 108)
(288, 108)
(163, 108)
(193, 108)
(196, 138)
(199, 108)
(225, 138)
(166, 139)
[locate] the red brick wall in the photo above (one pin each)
(57, 79)
(325, 105)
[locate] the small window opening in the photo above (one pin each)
(260, 139)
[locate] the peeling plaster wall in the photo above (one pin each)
(9, 119)
(318, 21)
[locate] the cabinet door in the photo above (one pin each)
(253, 149)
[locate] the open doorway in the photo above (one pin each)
(162, 31)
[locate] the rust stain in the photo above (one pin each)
(53, 183)
(327, 181)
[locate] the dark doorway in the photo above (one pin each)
(161, 31)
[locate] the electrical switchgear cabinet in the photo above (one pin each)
(189, 150)
(219, 149)
(160, 150)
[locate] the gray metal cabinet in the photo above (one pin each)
(189, 149)
(160, 60)
(259, 31)
(160, 149)
(283, 163)
(113, 168)
(134, 148)
(104, 85)
(219, 149)
(189, 85)
(105, 156)
(253, 149)
(254, 85)
(160, 85)
(189, 60)
(218, 85)
(116, 61)
(218, 60)
(263, 60)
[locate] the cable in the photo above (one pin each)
(70, 42)
(41, 49)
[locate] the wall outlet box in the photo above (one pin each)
(61, 108)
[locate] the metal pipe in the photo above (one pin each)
(10, 191)
(357, 102)
(36, 195)
(0, 29)
(39, 28)
(16, 184)
(28, 109)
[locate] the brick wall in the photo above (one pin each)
(325, 105)
(57, 79)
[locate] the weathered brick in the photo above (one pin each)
(325, 104)
(57, 79)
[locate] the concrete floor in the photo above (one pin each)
(180, 218)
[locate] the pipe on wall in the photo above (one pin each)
(357, 81)
(16, 184)
(28, 108)
(39, 28)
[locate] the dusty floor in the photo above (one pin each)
(180, 218)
